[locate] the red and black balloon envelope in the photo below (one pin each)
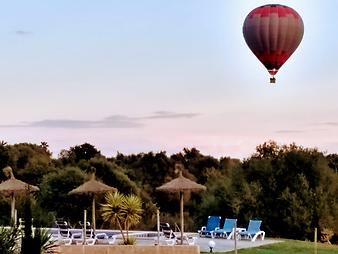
(273, 32)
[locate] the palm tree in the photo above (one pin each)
(122, 211)
(111, 211)
(131, 211)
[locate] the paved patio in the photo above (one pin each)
(224, 245)
(221, 245)
(149, 238)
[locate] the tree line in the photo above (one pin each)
(292, 189)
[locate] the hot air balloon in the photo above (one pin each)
(273, 32)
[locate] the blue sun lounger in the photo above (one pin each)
(212, 225)
(227, 230)
(253, 231)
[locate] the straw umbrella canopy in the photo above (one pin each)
(14, 187)
(92, 187)
(181, 184)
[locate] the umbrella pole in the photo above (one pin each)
(93, 214)
(15, 217)
(84, 226)
(158, 226)
(182, 219)
(13, 208)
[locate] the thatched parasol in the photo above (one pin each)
(92, 187)
(14, 187)
(181, 185)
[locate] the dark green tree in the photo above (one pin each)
(333, 162)
(4, 154)
(53, 195)
(289, 180)
(85, 151)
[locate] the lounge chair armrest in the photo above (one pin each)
(259, 233)
(192, 240)
(112, 239)
(170, 242)
(101, 236)
(76, 235)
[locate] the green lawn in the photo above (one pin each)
(288, 247)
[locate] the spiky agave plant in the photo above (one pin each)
(37, 241)
(42, 241)
(9, 239)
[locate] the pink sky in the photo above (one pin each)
(139, 76)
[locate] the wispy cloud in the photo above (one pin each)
(22, 32)
(330, 123)
(113, 121)
(116, 121)
(168, 114)
(290, 131)
(325, 124)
